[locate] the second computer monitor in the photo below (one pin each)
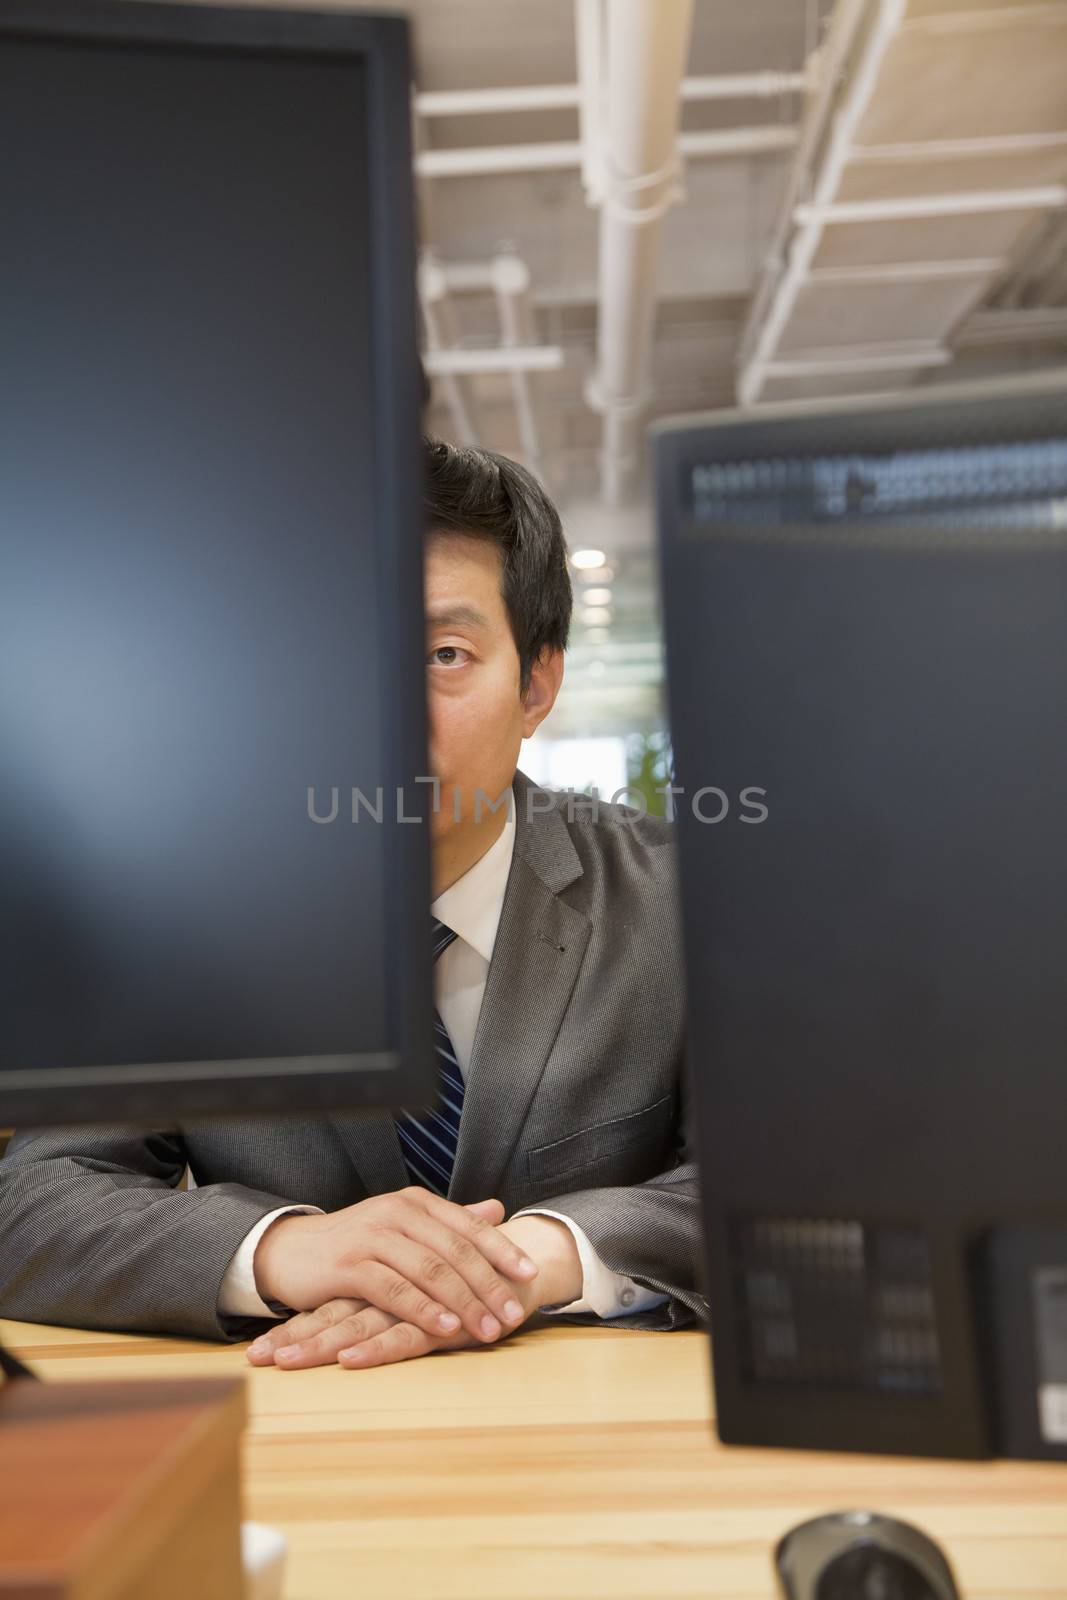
(866, 619)
(211, 634)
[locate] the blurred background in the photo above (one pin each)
(636, 208)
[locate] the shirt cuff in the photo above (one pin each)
(238, 1296)
(605, 1294)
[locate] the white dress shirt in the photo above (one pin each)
(471, 908)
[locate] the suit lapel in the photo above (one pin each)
(539, 947)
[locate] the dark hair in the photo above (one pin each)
(486, 496)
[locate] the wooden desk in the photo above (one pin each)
(567, 1463)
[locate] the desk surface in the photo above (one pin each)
(567, 1463)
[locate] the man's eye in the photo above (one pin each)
(447, 655)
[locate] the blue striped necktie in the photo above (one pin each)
(428, 1139)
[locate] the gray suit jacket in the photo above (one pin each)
(575, 1100)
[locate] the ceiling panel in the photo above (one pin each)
(832, 314)
(487, 44)
(1001, 78)
(829, 385)
(947, 238)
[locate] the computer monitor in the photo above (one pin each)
(866, 621)
(211, 624)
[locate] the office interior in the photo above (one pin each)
(630, 215)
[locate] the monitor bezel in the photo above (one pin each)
(400, 1074)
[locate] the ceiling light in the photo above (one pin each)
(596, 597)
(587, 560)
(596, 635)
(595, 614)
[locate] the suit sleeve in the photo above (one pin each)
(650, 1232)
(95, 1232)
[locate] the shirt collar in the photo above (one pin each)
(472, 906)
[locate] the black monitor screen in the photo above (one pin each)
(198, 568)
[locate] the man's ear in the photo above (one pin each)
(545, 679)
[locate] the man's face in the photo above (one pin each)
(478, 718)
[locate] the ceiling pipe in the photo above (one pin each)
(568, 96)
(646, 43)
(470, 360)
(589, 49)
(477, 161)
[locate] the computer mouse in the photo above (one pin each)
(860, 1555)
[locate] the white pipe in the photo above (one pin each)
(1048, 198)
(441, 331)
(468, 277)
(568, 96)
(647, 45)
(482, 160)
(744, 86)
(888, 18)
(511, 284)
(589, 48)
(469, 360)
(738, 141)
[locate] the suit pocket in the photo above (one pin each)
(624, 1149)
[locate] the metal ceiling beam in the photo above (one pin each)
(1048, 197)
(994, 144)
(511, 286)
(829, 65)
(907, 271)
(887, 18)
(858, 359)
(439, 320)
(1042, 325)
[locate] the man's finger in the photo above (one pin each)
(322, 1349)
(446, 1266)
(401, 1342)
(393, 1284)
(304, 1325)
(472, 1224)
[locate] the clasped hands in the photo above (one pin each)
(404, 1275)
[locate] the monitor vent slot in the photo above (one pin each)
(834, 1301)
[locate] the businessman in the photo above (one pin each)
(554, 1170)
